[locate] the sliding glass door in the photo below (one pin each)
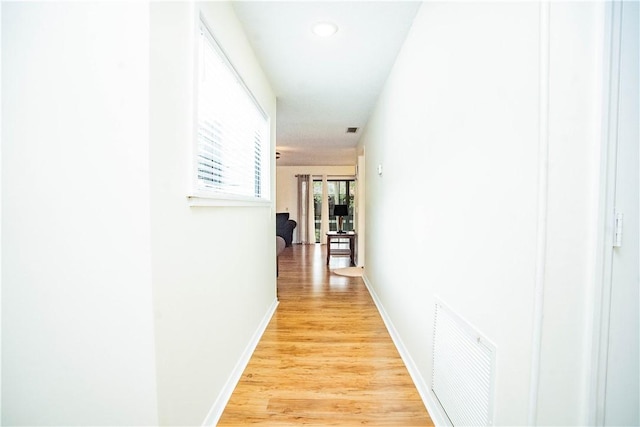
(341, 192)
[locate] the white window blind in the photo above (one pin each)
(233, 138)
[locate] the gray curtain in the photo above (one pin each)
(305, 214)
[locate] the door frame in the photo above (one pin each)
(360, 208)
(606, 213)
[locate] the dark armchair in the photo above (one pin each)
(285, 227)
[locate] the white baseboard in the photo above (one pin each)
(223, 398)
(436, 412)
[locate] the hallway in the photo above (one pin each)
(326, 357)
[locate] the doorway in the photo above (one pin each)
(340, 192)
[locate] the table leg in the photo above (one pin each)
(328, 248)
(352, 248)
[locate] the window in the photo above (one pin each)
(233, 132)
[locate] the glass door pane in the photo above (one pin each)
(317, 207)
(334, 197)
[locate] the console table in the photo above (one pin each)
(334, 235)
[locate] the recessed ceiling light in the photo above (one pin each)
(324, 29)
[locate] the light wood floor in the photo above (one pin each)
(326, 358)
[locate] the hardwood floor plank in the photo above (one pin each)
(326, 357)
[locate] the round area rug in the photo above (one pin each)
(349, 271)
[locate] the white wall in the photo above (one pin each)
(77, 331)
(213, 267)
(457, 131)
(121, 304)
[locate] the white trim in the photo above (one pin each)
(195, 201)
(1, 213)
(223, 398)
(604, 260)
(541, 225)
(434, 409)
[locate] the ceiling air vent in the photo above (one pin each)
(352, 130)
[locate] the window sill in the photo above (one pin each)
(204, 201)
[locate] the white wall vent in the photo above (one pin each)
(463, 370)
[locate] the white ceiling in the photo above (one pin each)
(322, 85)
